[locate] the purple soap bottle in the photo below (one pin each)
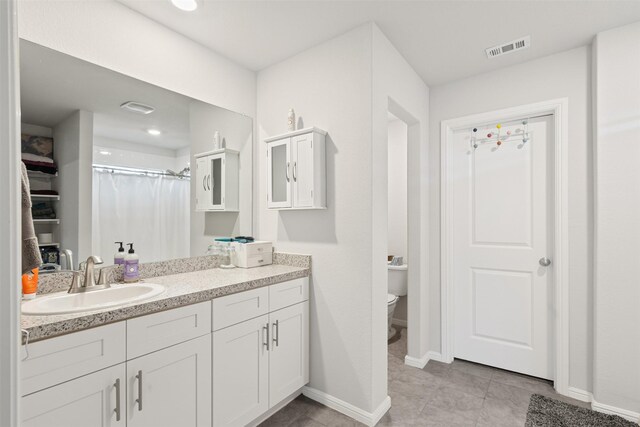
(118, 258)
(131, 265)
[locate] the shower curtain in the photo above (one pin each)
(150, 211)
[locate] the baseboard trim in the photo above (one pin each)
(368, 418)
(399, 322)
(608, 409)
(435, 355)
(416, 362)
(579, 394)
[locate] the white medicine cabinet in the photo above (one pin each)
(296, 170)
(217, 181)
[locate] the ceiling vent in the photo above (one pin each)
(512, 46)
(137, 107)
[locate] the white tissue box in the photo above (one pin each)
(255, 254)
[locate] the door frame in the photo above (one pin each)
(559, 109)
(10, 216)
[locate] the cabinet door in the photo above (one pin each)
(92, 400)
(171, 387)
(279, 174)
(217, 181)
(289, 355)
(240, 372)
(203, 184)
(302, 171)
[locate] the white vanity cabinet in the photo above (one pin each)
(263, 359)
(217, 181)
(171, 387)
(96, 399)
(296, 170)
(162, 380)
(225, 362)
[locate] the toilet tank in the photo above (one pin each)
(397, 279)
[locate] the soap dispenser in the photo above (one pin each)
(131, 265)
(118, 258)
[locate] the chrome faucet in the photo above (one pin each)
(89, 282)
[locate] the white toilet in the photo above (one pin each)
(397, 287)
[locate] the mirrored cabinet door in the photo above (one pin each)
(279, 174)
(217, 183)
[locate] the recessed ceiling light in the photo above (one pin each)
(154, 132)
(137, 107)
(186, 5)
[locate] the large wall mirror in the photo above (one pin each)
(112, 159)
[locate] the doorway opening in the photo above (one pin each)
(397, 234)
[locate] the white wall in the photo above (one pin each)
(73, 151)
(329, 86)
(344, 86)
(397, 210)
(565, 74)
(107, 151)
(113, 36)
(617, 209)
(36, 130)
(398, 89)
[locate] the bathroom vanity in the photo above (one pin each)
(218, 347)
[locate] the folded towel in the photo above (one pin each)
(30, 252)
(36, 158)
(49, 168)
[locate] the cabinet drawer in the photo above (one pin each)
(160, 330)
(258, 248)
(239, 307)
(288, 293)
(64, 358)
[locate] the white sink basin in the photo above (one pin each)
(63, 303)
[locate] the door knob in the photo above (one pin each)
(544, 261)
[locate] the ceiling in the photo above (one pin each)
(54, 85)
(444, 41)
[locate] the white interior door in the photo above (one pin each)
(501, 229)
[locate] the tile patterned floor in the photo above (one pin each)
(447, 395)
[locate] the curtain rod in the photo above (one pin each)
(139, 171)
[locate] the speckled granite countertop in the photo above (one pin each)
(181, 289)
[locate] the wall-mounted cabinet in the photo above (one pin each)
(296, 170)
(217, 181)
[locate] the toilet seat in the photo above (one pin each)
(391, 299)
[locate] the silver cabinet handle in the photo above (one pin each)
(117, 410)
(139, 399)
(266, 343)
(204, 183)
(544, 261)
(288, 164)
(276, 334)
(295, 171)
